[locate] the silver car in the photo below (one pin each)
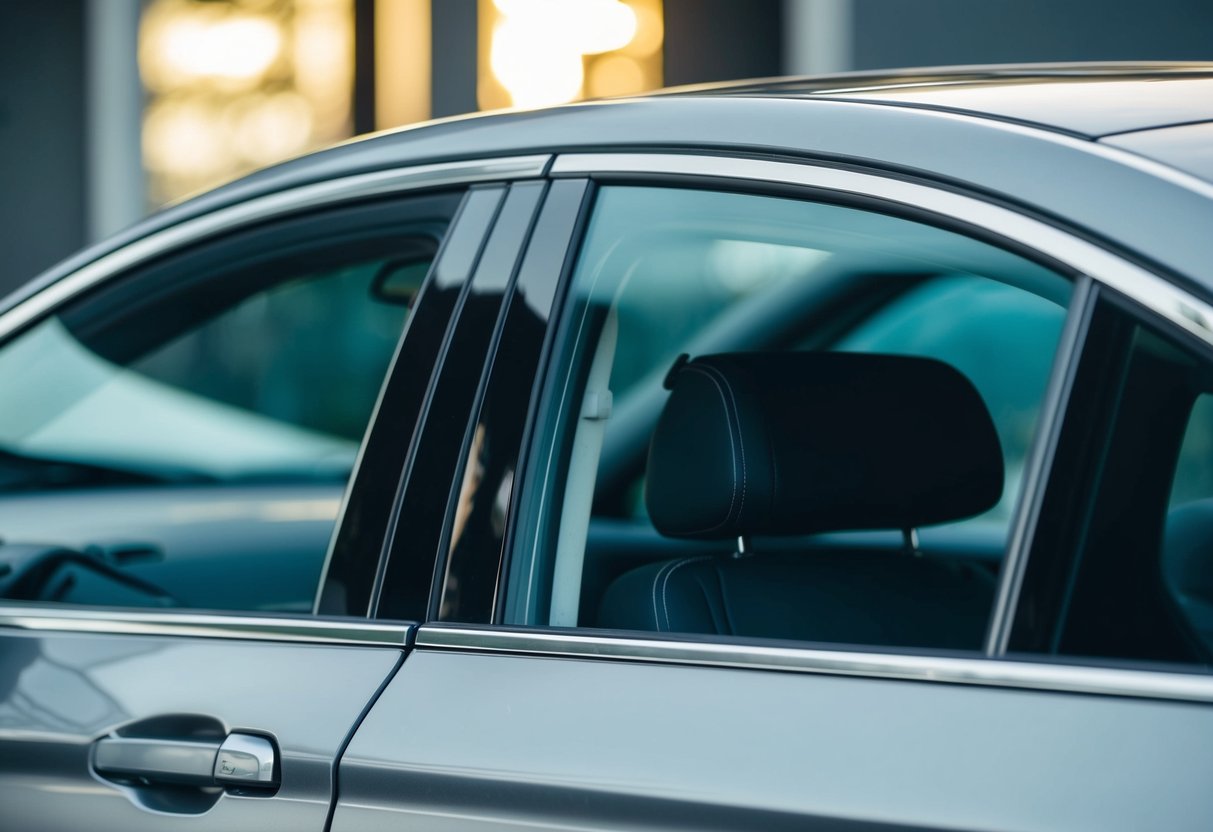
(830, 453)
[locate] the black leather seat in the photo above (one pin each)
(1187, 566)
(754, 445)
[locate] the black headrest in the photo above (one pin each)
(802, 442)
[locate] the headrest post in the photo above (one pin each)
(743, 547)
(910, 539)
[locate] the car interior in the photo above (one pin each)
(761, 445)
(884, 378)
(172, 438)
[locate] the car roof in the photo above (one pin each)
(1086, 100)
(1048, 167)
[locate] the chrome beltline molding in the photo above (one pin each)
(997, 673)
(1148, 289)
(360, 186)
(200, 625)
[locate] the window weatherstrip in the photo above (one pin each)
(359, 186)
(1040, 460)
(196, 625)
(985, 672)
(1148, 289)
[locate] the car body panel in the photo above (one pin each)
(614, 744)
(1057, 174)
(62, 692)
(1091, 107)
(1186, 147)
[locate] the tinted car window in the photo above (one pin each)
(184, 438)
(1122, 566)
(278, 386)
(1000, 337)
(769, 299)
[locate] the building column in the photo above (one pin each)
(114, 185)
(818, 36)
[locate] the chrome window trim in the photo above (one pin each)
(983, 672)
(1151, 291)
(1095, 266)
(270, 206)
(202, 625)
(1094, 146)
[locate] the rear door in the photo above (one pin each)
(207, 448)
(528, 702)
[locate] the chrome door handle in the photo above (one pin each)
(245, 760)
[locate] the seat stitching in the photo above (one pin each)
(736, 423)
(656, 581)
(731, 419)
(669, 570)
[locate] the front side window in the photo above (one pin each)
(278, 386)
(183, 436)
(782, 419)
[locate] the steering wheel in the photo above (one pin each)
(28, 570)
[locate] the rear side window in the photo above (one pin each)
(782, 419)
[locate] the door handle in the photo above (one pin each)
(241, 760)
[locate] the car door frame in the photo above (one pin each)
(277, 637)
(1093, 268)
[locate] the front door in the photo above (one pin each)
(176, 447)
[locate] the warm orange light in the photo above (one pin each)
(240, 84)
(268, 128)
(615, 75)
(186, 42)
(537, 50)
(184, 138)
(534, 64)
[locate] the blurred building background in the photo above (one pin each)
(111, 108)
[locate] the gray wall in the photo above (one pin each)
(890, 33)
(42, 125)
(720, 40)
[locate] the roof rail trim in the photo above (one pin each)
(270, 206)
